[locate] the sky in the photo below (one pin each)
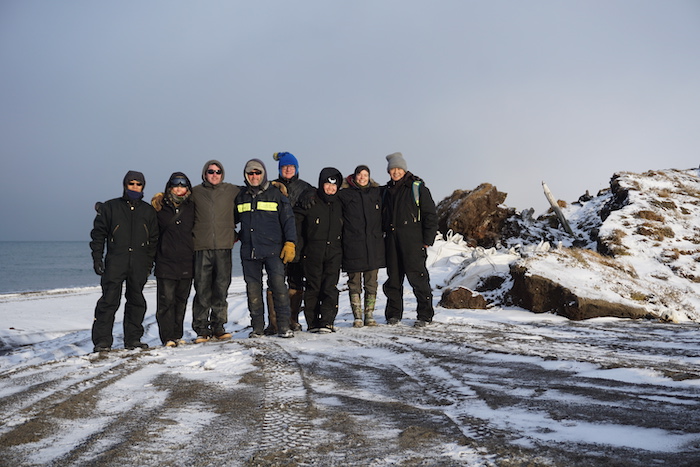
(511, 93)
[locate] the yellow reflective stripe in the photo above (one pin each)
(267, 206)
(244, 207)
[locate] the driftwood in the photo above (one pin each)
(557, 210)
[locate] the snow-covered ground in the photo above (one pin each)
(477, 387)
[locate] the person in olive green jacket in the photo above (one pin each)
(214, 235)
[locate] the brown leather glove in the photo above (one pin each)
(157, 201)
(288, 252)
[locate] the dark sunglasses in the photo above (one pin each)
(212, 171)
(178, 182)
(135, 183)
(255, 172)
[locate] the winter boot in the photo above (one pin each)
(295, 298)
(370, 301)
(356, 305)
(271, 329)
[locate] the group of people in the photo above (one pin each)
(301, 236)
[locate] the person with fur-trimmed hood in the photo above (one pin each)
(409, 221)
(320, 224)
(127, 226)
(268, 237)
(363, 242)
(288, 167)
(214, 235)
(174, 257)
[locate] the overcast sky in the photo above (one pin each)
(507, 92)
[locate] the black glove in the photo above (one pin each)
(99, 266)
(307, 199)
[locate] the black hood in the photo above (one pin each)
(178, 175)
(133, 175)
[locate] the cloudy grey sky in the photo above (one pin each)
(509, 92)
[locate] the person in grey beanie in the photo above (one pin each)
(409, 221)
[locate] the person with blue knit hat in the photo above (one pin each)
(288, 167)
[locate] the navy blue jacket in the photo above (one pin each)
(267, 221)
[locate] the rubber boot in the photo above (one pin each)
(370, 301)
(295, 298)
(356, 305)
(271, 329)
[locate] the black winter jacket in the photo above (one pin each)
(129, 229)
(320, 226)
(413, 222)
(363, 239)
(295, 187)
(175, 253)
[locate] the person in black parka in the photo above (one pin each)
(363, 241)
(409, 221)
(129, 229)
(319, 225)
(174, 256)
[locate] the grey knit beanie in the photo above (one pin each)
(396, 160)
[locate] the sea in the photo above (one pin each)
(40, 266)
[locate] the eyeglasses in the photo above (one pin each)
(255, 172)
(178, 182)
(212, 171)
(135, 183)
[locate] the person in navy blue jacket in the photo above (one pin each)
(268, 237)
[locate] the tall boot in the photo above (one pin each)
(356, 305)
(271, 329)
(295, 298)
(370, 301)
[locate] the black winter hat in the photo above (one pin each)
(360, 168)
(330, 175)
(134, 175)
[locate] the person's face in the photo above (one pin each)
(288, 171)
(179, 190)
(214, 174)
(254, 177)
(330, 188)
(396, 173)
(362, 178)
(135, 185)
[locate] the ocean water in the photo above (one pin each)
(38, 266)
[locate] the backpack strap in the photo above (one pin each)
(416, 194)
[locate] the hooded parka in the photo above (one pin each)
(214, 212)
(175, 254)
(363, 238)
